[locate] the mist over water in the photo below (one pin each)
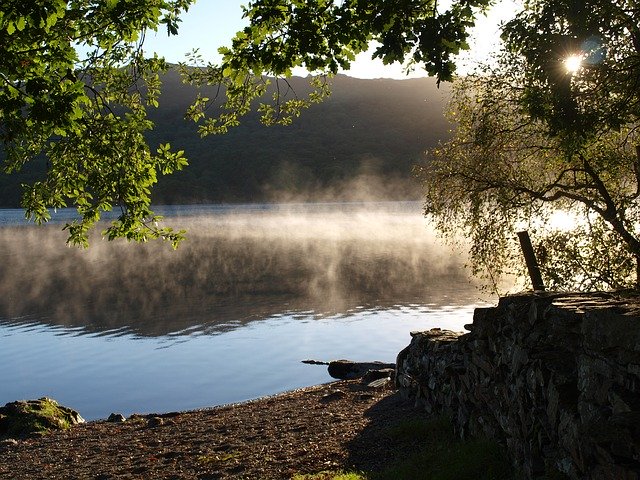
(293, 281)
(236, 265)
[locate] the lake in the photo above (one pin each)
(230, 315)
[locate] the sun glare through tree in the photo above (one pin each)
(573, 63)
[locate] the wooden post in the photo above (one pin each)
(531, 261)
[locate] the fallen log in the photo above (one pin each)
(315, 362)
(347, 369)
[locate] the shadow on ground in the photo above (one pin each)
(379, 446)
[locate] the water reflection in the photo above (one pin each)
(235, 268)
(230, 315)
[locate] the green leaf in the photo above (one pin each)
(20, 24)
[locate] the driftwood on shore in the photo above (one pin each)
(347, 369)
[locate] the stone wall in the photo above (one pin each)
(554, 377)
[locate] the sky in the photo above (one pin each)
(210, 24)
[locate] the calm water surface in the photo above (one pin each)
(229, 316)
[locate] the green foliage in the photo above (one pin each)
(238, 89)
(85, 114)
(533, 139)
(322, 37)
(604, 93)
(591, 255)
(503, 172)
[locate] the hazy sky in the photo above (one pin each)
(210, 24)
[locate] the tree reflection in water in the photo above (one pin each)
(237, 266)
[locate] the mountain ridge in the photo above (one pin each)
(359, 144)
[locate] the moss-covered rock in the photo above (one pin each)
(35, 417)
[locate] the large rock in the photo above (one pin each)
(35, 417)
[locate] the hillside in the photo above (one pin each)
(358, 144)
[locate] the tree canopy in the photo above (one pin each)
(85, 115)
(604, 92)
(323, 35)
(534, 138)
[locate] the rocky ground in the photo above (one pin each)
(341, 425)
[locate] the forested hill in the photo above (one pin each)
(360, 143)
